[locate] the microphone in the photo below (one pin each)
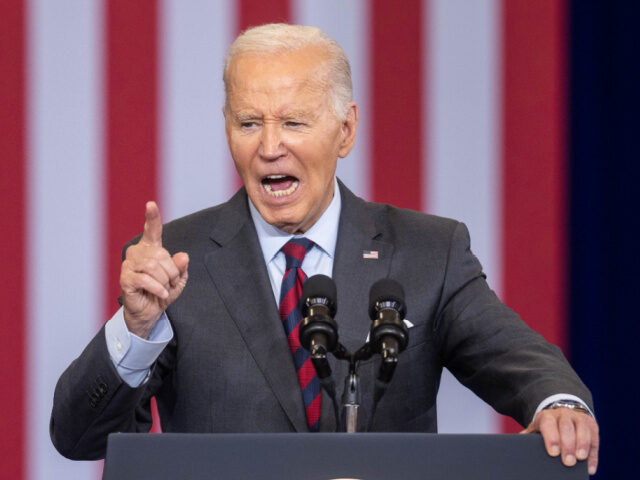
(389, 335)
(318, 331)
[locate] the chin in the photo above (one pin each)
(277, 220)
(286, 226)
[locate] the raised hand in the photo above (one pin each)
(150, 278)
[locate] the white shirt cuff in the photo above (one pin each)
(561, 396)
(131, 355)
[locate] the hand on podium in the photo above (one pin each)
(569, 433)
(150, 278)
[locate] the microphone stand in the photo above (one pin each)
(350, 402)
(351, 393)
(348, 420)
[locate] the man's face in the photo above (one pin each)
(283, 136)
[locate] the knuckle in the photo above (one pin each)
(547, 421)
(125, 268)
(566, 428)
(125, 280)
(159, 253)
(149, 265)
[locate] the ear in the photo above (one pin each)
(349, 126)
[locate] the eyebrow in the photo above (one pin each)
(297, 114)
(243, 117)
(247, 116)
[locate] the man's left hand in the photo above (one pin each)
(569, 433)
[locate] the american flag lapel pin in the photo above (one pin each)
(370, 254)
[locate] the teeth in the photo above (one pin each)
(275, 177)
(281, 193)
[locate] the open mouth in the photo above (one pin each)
(280, 185)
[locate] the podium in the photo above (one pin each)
(328, 456)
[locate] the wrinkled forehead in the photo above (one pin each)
(296, 71)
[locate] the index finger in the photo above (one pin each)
(153, 225)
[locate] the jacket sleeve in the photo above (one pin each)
(91, 401)
(489, 348)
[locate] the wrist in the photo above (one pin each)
(137, 327)
(569, 404)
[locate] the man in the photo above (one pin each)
(200, 329)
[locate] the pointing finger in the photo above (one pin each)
(153, 225)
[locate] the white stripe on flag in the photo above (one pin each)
(65, 235)
(463, 175)
(348, 24)
(196, 170)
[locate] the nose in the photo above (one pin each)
(271, 144)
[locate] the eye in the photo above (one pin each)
(293, 124)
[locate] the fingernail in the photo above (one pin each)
(581, 454)
(554, 451)
(592, 470)
(569, 460)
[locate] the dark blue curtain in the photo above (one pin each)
(605, 222)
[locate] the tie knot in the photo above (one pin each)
(295, 250)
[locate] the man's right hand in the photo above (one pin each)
(150, 278)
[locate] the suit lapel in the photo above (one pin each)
(238, 270)
(353, 273)
(359, 232)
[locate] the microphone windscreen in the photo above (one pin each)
(320, 286)
(385, 290)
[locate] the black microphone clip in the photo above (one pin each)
(389, 335)
(318, 330)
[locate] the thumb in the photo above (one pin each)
(531, 428)
(181, 260)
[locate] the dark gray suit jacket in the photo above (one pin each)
(229, 368)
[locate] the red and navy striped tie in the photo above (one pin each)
(295, 251)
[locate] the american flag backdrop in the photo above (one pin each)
(106, 104)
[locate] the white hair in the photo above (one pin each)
(281, 37)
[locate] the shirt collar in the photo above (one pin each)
(324, 233)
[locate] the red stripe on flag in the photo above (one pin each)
(131, 126)
(13, 238)
(396, 102)
(534, 156)
(257, 12)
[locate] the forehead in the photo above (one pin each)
(297, 75)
